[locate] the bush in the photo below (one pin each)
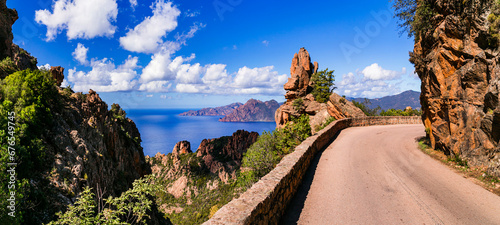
(269, 148)
(298, 105)
(32, 97)
(414, 19)
(323, 85)
(130, 208)
(364, 107)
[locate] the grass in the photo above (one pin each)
(478, 174)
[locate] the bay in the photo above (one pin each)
(161, 129)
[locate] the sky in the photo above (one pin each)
(194, 54)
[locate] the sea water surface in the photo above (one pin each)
(161, 129)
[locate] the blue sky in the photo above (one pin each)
(193, 54)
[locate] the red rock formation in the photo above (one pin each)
(298, 90)
(182, 147)
(58, 74)
(253, 111)
(301, 71)
(223, 155)
(460, 77)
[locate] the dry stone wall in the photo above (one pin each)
(266, 201)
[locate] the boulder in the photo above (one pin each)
(58, 74)
(182, 147)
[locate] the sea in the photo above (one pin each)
(161, 129)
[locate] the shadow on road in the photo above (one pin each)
(294, 209)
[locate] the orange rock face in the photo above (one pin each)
(460, 75)
(299, 87)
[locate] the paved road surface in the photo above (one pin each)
(377, 175)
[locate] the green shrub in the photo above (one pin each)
(323, 85)
(269, 148)
(326, 123)
(298, 105)
(130, 208)
(117, 112)
(32, 97)
(414, 19)
(364, 107)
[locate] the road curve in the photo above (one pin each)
(377, 175)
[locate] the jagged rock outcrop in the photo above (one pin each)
(58, 74)
(460, 73)
(217, 111)
(300, 101)
(253, 111)
(182, 147)
(7, 18)
(222, 156)
(301, 70)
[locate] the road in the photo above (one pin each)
(377, 175)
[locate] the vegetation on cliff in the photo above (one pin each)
(323, 85)
(27, 101)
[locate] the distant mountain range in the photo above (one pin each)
(399, 101)
(218, 111)
(252, 111)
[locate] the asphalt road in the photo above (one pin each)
(377, 175)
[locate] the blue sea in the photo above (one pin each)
(161, 129)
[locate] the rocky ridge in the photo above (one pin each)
(85, 145)
(300, 101)
(460, 73)
(253, 111)
(194, 178)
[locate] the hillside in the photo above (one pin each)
(217, 111)
(60, 142)
(399, 101)
(253, 111)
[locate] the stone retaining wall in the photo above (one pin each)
(266, 201)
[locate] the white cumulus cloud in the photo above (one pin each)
(148, 35)
(81, 18)
(376, 72)
(105, 76)
(80, 54)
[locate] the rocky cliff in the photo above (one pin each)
(197, 183)
(81, 142)
(301, 101)
(457, 58)
(217, 111)
(253, 111)
(20, 59)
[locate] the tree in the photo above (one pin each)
(323, 85)
(414, 16)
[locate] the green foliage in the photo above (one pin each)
(270, 147)
(323, 85)
(117, 112)
(130, 208)
(342, 100)
(458, 160)
(326, 123)
(7, 67)
(494, 29)
(414, 19)
(298, 105)
(399, 112)
(32, 97)
(364, 107)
